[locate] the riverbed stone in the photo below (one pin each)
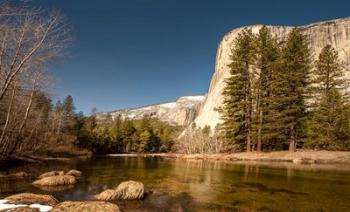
(25, 209)
(128, 190)
(86, 206)
(17, 175)
(30, 198)
(50, 174)
(108, 195)
(58, 180)
(75, 173)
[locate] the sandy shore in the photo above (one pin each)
(299, 157)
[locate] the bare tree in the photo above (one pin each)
(30, 38)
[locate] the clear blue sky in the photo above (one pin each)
(129, 53)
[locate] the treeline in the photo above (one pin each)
(121, 135)
(30, 38)
(277, 98)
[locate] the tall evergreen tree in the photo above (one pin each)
(291, 88)
(329, 124)
(267, 55)
(237, 106)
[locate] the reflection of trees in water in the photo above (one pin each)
(207, 185)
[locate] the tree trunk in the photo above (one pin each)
(25, 118)
(292, 143)
(259, 129)
(4, 130)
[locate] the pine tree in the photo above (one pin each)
(329, 124)
(267, 54)
(236, 112)
(68, 106)
(291, 87)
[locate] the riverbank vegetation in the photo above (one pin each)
(277, 99)
(30, 40)
(120, 135)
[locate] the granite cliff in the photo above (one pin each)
(333, 32)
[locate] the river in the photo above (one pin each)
(179, 185)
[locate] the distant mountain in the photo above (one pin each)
(182, 112)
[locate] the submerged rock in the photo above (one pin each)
(50, 174)
(107, 195)
(30, 198)
(18, 175)
(58, 180)
(127, 190)
(86, 206)
(74, 173)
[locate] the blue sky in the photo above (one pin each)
(135, 52)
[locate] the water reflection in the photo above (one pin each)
(176, 185)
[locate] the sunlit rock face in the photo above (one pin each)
(182, 112)
(334, 32)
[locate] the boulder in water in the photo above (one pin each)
(30, 198)
(86, 206)
(58, 180)
(127, 190)
(130, 190)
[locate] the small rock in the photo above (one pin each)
(50, 174)
(56, 180)
(18, 175)
(107, 195)
(30, 198)
(74, 173)
(86, 206)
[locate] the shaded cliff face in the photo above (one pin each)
(182, 112)
(334, 32)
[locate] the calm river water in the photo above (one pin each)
(178, 185)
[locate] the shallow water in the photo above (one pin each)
(178, 185)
